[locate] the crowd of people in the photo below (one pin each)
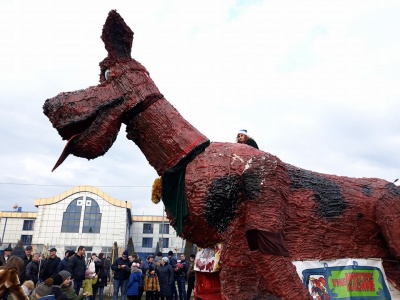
(74, 278)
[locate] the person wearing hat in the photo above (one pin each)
(132, 289)
(121, 268)
(50, 264)
(27, 258)
(44, 289)
(4, 258)
(67, 286)
(242, 137)
(165, 275)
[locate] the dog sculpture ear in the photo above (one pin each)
(117, 37)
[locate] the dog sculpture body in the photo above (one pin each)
(265, 212)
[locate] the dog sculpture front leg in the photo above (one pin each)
(266, 185)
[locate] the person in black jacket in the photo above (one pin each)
(98, 287)
(49, 266)
(78, 268)
(180, 270)
(32, 269)
(27, 258)
(66, 263)
(173, 262)
(122, 271)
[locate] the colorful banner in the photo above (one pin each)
(207, 259)
(357, 279)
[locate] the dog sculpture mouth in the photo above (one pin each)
(84, 136)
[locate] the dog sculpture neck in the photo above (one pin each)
(163, 135)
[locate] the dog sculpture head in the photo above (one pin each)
(90, 119)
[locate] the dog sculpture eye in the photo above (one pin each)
(107, 74)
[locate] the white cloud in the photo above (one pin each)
(316, 84)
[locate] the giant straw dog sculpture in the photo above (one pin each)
(264, 211)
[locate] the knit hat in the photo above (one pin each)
(125, 253)
(88, 273)
(64, 274)
(165, 259)
(242, 131)
(134, 266)
(58, 280)
(70, 253)
(43, 290)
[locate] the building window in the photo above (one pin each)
(72, 216)
(26, 239)
(165, 242)
(147, 242)
(147, 228)
(92, 217)
(164, 228)
(28, 225)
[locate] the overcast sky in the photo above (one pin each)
(316, 83)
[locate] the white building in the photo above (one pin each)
(84, 215)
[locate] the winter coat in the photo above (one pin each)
(32, 272)
(69, 292)
(101, 278)
(181, 269)
(58, 293)
(9, 282)
(78, 267)
(87, 285)
(151, 283)
(133, 283)
(26, 260)
(144, 267)
(65, 265)
(49, 267)
(122, 273)
(166, 279)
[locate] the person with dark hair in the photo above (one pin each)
(78, 268)
(180, 275)
(65, 263)
(9, 279)
(27, 258)
(56, 287)
(242, 137)
(101, 279)
(151, 283)
(50, 264)
(32, 269)
(173, 262)
(191, 276)
(122, 271)
(4, 258)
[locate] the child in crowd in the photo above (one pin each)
(133, 284)
(68, 288)
(90, 279)
(151, 284)
(28, 286)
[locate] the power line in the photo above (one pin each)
(108, 186)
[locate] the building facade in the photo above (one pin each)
(84, 215)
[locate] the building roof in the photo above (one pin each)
(83, 188)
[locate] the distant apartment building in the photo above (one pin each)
(84, 215)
